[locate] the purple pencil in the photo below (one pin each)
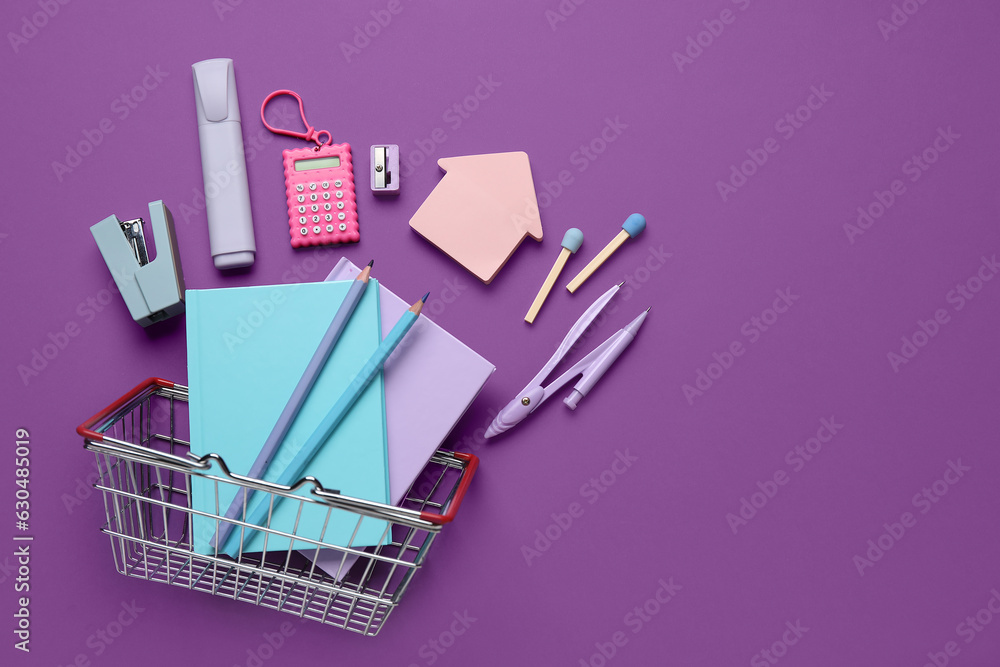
(297, 399)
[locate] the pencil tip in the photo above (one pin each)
(424, 299)
(621, 283)
(649, 309)
(371, 263)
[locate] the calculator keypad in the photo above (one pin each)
(321, 202)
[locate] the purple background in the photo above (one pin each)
(666, 516)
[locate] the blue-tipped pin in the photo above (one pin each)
(632, 227)
(571, 242)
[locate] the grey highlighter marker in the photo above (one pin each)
(223, 164)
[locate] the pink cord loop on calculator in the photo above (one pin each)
(319, 185)
(309, 135)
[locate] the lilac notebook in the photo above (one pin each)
(430, 381)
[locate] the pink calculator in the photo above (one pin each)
(320, 185)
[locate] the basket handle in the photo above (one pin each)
(86, 429)
(472, 463)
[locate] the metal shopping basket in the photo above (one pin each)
(145, 475)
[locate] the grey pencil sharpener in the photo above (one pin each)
(385, 169)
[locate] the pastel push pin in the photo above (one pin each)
(632, 227)
(570, 244)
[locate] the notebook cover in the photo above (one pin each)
(430, 381)
(247, 349)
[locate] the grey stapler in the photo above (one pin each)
(153, 290)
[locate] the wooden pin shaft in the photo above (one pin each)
(546, 287)
(597, 261)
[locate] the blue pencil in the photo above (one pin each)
(298, 397)
(333, 418)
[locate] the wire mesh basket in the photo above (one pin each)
(146, 475)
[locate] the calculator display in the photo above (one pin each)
(317, 163)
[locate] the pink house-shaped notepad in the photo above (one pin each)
(481, 210)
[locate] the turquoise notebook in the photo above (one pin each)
(247, 349)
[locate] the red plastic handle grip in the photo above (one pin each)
(470, 470)
(86, 429)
